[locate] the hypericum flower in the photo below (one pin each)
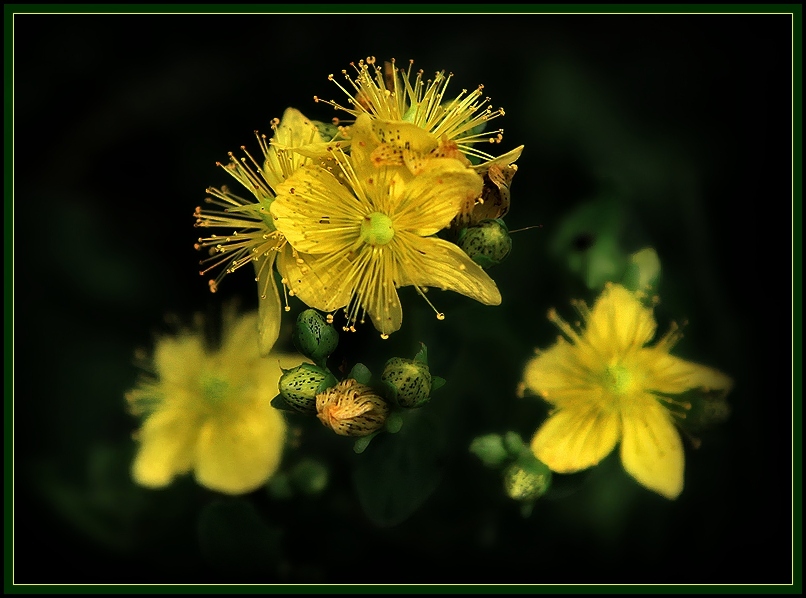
(388, 94)
(363, 231)
(608, 386)
(351, 409)
(210, 412)
(251, 236)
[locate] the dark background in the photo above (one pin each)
(118, 123)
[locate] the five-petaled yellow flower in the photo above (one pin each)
(608, 386)
(361, 231)
(250, 236)
(210, 412)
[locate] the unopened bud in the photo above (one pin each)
(313, 336)
(527, 479)
(300, 385)
(487, 243)
(351, 409)
(410, 379)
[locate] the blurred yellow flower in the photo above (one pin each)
(250, 235)
(209, 412)
(361, 232)
(608, 386)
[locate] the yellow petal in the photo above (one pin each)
(560, 376)
(504, 160)
(317, 280)
(432, 199)
(651, 449)
(575, 439)
(176, 359)
(270, 309)
(619, 322)
(167, 447)
(373, 278)
(317, 214)
(238, 452)
(432, 262)
(294, 131)
(672, 375)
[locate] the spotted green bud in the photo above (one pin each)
(351, 409)
(300, 385)
(409, 381)
(313, 336)
(527, 479)
(487, 243)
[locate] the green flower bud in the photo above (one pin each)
(490, 449)
(300, 385)
(487, 243)
(351, 409)
(410, 379)
(527, 479)
(313, 336)
(309, 477)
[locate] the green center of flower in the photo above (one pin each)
(376, 229)
(618, 379)
(214, 389)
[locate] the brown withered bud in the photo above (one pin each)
(351, 409)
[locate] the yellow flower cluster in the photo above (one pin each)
(349, 214)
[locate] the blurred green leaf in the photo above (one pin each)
(400, 471)
(490, 449)
(643, 271)
(588, 242)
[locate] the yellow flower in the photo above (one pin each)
(250, 235)
(210, 412)
(608, 386)
(390, 96)
(362, 231)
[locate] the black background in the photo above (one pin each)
(118, 123)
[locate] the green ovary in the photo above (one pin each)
(214, 389)
(376, 229)
(618, 379)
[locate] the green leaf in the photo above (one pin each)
(643, 271)
(234, 539)
(401, 471)
(362, 443)
(422, 355)
(360, 373)
(394, 422)
(280, 403)
(437, 383)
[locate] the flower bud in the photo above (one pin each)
(527, 479)
(490, 449)
(410, 379)
(300, 385)
(487, 243)
(351, 409)
(313, 336)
